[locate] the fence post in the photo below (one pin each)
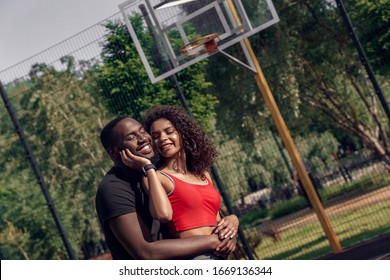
(363, 57)
(37, 171)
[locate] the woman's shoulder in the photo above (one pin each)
(166, 180)
(207, 174)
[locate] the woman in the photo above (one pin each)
(181, 192)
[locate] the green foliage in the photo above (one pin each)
(124, 83)
(374, 30)
(253, 217)
(27, 230)
(312, 69)
(319, 150)
(262, 164)
(364, 185)
(55, 112)
(287, 207)
(314, 74)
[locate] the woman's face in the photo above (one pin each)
(166, 138)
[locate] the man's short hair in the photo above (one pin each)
(106, 137)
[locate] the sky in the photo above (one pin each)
(28, 27)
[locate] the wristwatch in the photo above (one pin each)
(145, 168)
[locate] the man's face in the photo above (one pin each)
(130, 134)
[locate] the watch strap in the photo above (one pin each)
(147, 167)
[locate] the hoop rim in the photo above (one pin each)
(208, 39)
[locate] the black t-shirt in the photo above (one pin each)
(119, 193)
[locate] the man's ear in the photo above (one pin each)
(113, 152)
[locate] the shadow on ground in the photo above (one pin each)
(374, 249)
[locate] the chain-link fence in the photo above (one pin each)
(63, 96)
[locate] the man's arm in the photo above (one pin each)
(128, 229)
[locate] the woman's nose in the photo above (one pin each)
(163, 137)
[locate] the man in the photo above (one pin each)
(122, 205)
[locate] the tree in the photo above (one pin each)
(330, 79)
(61, 121)
(125, 85)
(374, 30)
(314, 74)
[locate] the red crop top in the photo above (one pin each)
(193, 205)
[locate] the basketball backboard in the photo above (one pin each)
(159, 28)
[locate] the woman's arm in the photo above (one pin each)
(227, 227)
(159, 205)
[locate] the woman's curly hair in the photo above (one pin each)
(200, 151)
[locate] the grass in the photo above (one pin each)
(364, 185)
(309, 241)
(254, 217)
(287, 207)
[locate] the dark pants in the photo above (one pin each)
(208, 256)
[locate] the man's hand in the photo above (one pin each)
(133, 161)
(226, 247)
(227, 227)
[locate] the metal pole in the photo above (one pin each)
(37, 171)
(184, 103)
(288, 142)
(229, 207)
(363, 57)
(295, 156)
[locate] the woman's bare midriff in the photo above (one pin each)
(196, 231)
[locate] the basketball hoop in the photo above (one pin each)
(205, 44)
(167, 22)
